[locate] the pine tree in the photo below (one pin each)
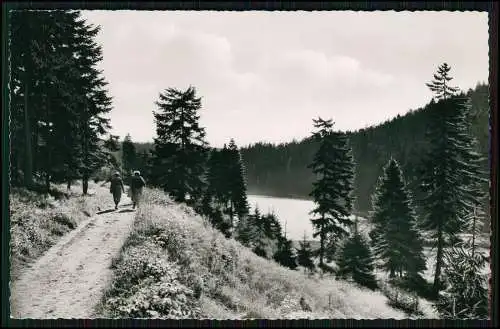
(450, 170)
(305, 255)
(180, 148)
(355, 260)
(467, 293)
(395, 237)
(332, 192)
(129, 155)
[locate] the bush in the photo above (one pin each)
(402, 300)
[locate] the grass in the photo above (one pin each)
(174, 265)
(38, 221)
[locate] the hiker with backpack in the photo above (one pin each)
(136, 185)
(116, 188)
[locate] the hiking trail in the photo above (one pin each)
(69, 279)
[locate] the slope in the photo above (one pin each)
(174, 265)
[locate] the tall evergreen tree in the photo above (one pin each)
(285, 255)
(237, 185)
(111, 145)
(450, 169)
(332, 192)
(129, 155)
(440, 85)
(305, 255)
(53, 58)
(355, 260)
(215, 177)
(180, 148)
(395, 237)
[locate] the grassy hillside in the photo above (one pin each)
(174, 265)
(38, 221)
(281, 170)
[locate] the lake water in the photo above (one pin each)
(292, 214)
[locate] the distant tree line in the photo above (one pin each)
(58, 100)
(281, 170)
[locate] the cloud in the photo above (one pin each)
(264, 76)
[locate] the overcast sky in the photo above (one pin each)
(263, 76)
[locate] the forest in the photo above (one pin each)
(281, 170)
(419, 177)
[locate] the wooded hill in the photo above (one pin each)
(281, 170)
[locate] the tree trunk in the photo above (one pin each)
(49, 158)
(474, 232)
(321, 247)
(85, 184)
(28, 161)
(68, 184)
(439, 260)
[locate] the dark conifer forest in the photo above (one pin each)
(281, 170)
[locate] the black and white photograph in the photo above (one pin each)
(234, 165)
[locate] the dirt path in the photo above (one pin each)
(68, 281)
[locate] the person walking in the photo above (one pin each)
(136, 185)
(116, 188)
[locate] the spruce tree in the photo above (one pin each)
(395, 237)
(440, 86)
(180, 147)
(129, 155)
(467, 293)
(285, 255)
(333, 166)
(237, 185)
(355, 260)
(305, 255)
(53, 69)
(450, 171)
(246, 228)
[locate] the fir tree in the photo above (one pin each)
(53, 68)
(332, 192)
(355, 260)
(450, 171)
(285, 255)
(395, 237)
(305, 255)
(215, 178)
(467, 293)
(237, 185)
(439, 85)
(111, 145)
(246, 228)
(180, 148)
(129, 155)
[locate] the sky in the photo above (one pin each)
(263, 76)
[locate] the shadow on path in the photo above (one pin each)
(126, 210)
(105, 211)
